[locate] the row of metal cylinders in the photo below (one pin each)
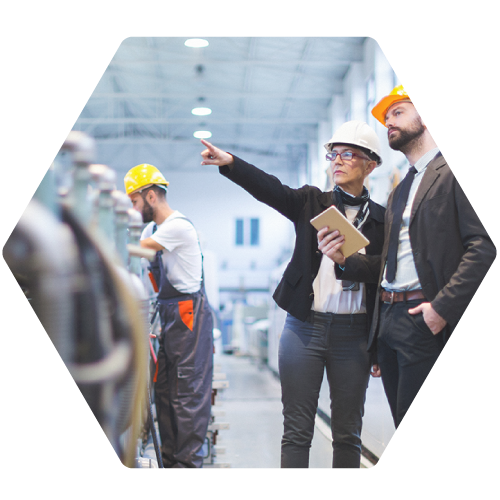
(95, 201)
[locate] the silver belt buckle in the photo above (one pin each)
(392, 298)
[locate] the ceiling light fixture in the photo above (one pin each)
(201, 111)
(196, 42)
(202, 134)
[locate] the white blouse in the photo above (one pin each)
(328, 293)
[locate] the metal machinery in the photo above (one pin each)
(76, 255)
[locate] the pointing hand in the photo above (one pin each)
(215, 156)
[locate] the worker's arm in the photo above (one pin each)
(262, 186)
(151, 244)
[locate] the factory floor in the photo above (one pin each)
(251, 405)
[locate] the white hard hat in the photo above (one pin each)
(356, 133)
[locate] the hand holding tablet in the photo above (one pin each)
(335, 220)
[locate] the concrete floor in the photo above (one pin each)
(252, 407)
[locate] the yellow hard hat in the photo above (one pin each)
(399, 94)
(141, 176)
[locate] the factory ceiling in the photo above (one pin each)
(266, 96)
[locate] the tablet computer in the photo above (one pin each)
(335, 220)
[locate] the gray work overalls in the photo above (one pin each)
(183, 378)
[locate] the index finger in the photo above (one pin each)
(211, 147)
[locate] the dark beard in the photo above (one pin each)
(147, 212)
(407, 138)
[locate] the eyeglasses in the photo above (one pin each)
(345, 156)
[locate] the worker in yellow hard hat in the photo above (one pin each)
(136, 181)
(436, 253)
(183, 378)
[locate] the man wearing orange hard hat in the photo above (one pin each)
(436, 253)
(184, 370)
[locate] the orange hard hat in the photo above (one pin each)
(380, 110)
(399, 94)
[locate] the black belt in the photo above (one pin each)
(320, 317)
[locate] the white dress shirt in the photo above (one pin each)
(406, 272)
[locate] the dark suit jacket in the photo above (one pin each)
(451, 248)
(294, 293)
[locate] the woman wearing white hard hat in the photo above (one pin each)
(328, 320)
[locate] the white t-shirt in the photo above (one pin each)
(182, 254)
(328, 293)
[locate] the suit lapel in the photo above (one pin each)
(430, 176)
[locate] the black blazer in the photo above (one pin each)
(450, 246)
(294, 293)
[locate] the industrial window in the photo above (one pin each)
(247, 232)
(370, 101)
(239, 232)
(254, 232)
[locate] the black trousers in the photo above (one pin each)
(337, 343)
(444, 401)
(407, 351)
